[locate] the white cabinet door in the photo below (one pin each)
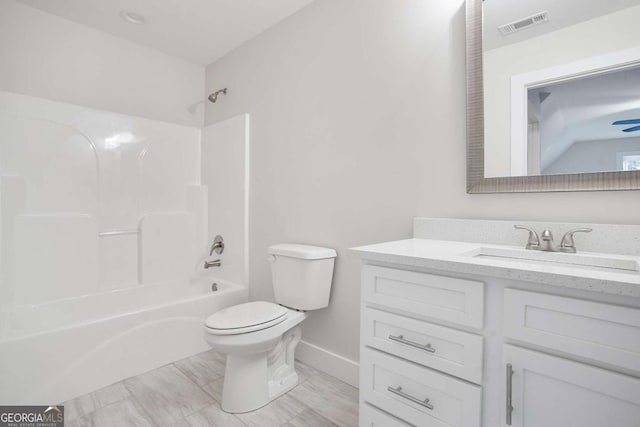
(548, 391)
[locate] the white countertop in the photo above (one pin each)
(455, 257)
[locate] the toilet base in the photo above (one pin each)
(251, 381)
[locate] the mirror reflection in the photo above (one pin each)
(561, 86)
(585, 125)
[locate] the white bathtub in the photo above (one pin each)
(56, 351)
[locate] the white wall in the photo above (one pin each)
(615, 31)
(49, 57)
(358, 125)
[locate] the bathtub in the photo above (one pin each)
(59, 350)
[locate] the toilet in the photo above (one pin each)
(259, 338)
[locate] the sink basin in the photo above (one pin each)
(590, 261)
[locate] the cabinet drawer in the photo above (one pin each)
(401, 388)
(551, 391)
(373, 417)
(445, 349)
(602, 332)
(445, 298)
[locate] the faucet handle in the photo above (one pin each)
(217, 246)
(534, 240)
(567, 244)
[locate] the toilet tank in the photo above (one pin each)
(301, 275)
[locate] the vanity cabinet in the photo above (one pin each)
(443, 350)
(546, 390)
(416, 364)
(553, 391)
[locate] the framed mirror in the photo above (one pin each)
(553, 95)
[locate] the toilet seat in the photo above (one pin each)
(244, 318)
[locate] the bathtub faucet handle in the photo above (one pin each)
(217, 246)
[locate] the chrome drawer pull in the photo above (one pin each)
(399, 392)
(402, 340)
(509, 392)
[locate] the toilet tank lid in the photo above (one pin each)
(294, 250)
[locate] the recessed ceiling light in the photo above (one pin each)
(132, 17)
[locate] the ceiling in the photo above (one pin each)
(562, 13)
(200, 31)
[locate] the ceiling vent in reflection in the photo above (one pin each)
(521, 24)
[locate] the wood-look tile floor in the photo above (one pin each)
(187, 393)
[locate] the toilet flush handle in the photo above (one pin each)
(271, 258)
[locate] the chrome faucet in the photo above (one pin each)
(218, 247)
(547, 242)
(567, 244)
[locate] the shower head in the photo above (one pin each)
(214, 96)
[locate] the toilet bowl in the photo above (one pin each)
(259, 338)
(260, 362)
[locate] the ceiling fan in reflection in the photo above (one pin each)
(628, 122)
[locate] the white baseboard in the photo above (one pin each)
(333, 364)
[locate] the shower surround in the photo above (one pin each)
(104, 224)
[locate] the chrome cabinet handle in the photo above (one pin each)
(402, 340)
(399, 392)
(509, 392)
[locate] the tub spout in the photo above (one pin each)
(214, 263)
